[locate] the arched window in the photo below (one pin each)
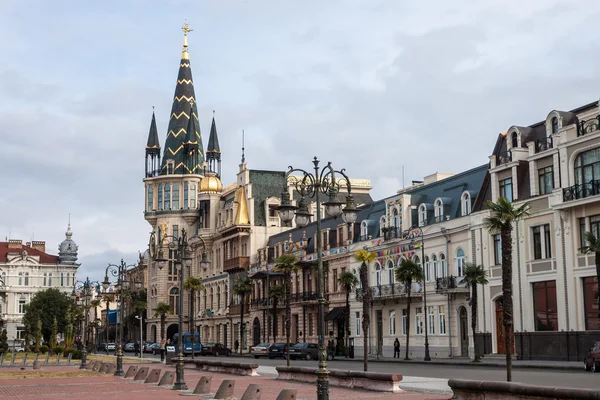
(160, 197)
(417, 260)
(22, 302)
(26, 278)
(460, 262)
(377, 274)
(435, 266)
(174, 300)
(443, 266)
(396, 221)
(439, 210)
(175, 201)
(427, 269)
(150, 197)
(192, 196)
(515, 140)
(20, 279)
(219, 297)
(205, 303)
(382, 224)
(185, 195)
(587, 169)
(391, 272)
(465, 204)
(212, 298)
(167, 196)
(364, 230)
(422, 215)
(554, 125)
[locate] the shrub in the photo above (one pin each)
(58, 349)
(43, 349)
(76, 354)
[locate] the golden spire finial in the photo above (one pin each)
(185, 28)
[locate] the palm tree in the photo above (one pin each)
(347, 281)
(96, 303)
(242, 287)
(287, 264)
(474, 275)
(193, 285)
(593, 246)
(276, 293)
(107, 299)
(365, 257)
(504, 214)
(161, 310)
(408, 272)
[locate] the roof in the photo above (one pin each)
(265, 184)
(241, 216)
(213, 148)
(153, 142)
(45, 258)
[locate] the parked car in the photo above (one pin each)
(19, 349)
(308, 351)
(278, 350)
(129, 347)
(110, 347)
(260, 350)
(591, 362)
(155, 348)
(215, 349)
(147, 348)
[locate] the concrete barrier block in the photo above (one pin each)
(96, 366)
(103, 368)
(37, 365)
(131, 371)
(24, 359)
(203, 386)
(13, 358)
(153, 376)
(287, 394)
(253, 392)
(225, 391)
(167, 379)
(112, 367)
(141, 374)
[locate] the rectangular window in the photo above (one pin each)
(506, 189)
(592, 320)
(20, 332)
(175, 196)
(431, 320)
(544, 306)
(537, 243)
(150, 197)
(419, 321)
(546, 178)
(547, 241)
(404, 321)
(497, 250)
(335, 280)
(595, 225)
(176, 231)
(160, 197)
(185, 196)
(22, 305)
(167, 197)
(45, 279)
(442, 318)
(357, 323)
(582, 241)
(427, 270)
(50, 279)
(392, 319)
(62, 279)
(310, 324)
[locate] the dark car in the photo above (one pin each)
(154, 348)
(308, 351)
(591, 362)
(214, 349)
(129, 347)
(278, 350)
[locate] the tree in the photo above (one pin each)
(593, 246)
(3, 341)
(95, 323)
(69, 336)
(408, 272)
(162, 310)
(107, 299)
(276, 293)
(287, 264)
(347, 281)
(242, 287)
(503, 215)
(365, 257)
(193, 285)
(474, 275)
(38, 335)
(54, 334)
(49, 305)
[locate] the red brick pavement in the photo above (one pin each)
(103, 387)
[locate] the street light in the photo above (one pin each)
(120, 272)
(183, 249)
(141, 336)
(425, 313)
(84, 288)
(313, 185)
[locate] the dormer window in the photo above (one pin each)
(554, 125)
(515, 140)
(364, 230)
(382, 224)
(170, 166)
(422, 215)
(465, 204)
(439, 210)
(396, 221)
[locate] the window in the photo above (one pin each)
(442, 319)
(357, 323)
(537, 243)
(167, 196)
(186, 195)
(506, 189)
(391, 273)
(515, 140)
(427, 269)
(26, 278)
(554, 125)
(219, 297)
(595, 225)
(20, 279)
(45, 279)
(592, 320)
(160, 197)
(422, 215)
(404, 321)
(587, 169)
(174, 300)
(431, 320)
(546, 178)
(335, 280)
(150, 197)
(310, 324)
(192, 195)
(497, 250)
(169, 167)
(443, 266)
(435, 266)
(547, 241)
(212, 298)
(582, 241)
(176, 231)
(20, 333)
(22, 305)
(460, 262)
(392, 319)
(465, 204)
(544, 305)
(378, 274)
(175, 201)
(364, 232)
(396, 218)
(419, 321)
(382, 224)
(542, 246)
(50, 279)
(62, 279)
(439, 210)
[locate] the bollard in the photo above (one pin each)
(203, 386)
(37, 365)
(47, 358)
(225, 391)
(112, 368)
(167, 379)
(141, 374)
(131, 371)
(153, 376)
(287, 394)
(24, 359)
(69, 358)
(58, 359)
(14, 357)
(253, 392)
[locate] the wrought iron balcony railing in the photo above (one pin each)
(396, 290)
(581, 191)
(450, 283)
(266, 302)
(543, 144)
(589, 126)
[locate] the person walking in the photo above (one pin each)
(236, 345)
(163, 344)
(136, 347)
(396, 348)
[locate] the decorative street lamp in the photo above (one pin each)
(183, 249)
(120, 272)
(82, 293)
(313, 185)
(425, 312)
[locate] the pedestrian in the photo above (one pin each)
(136, 347)
(236, 345)
(396, 348)
(163, 344)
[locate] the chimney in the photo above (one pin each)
(15, 244)
(39, 245)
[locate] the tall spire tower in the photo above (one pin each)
(176, 158)
(152, 150)
(213, 151)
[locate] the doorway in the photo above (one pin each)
(225, 342)
(464, 332)
(379, 314)
(256, 332)
(500, 344)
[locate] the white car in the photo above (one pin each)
(260, 350)
(19, 349)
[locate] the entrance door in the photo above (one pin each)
(379, 332)
(500, 344)
(464, 332)
(256, 332)
(225, 342)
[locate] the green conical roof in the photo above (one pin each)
(153, 145)
(213, 150)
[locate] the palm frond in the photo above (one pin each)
(474, 275)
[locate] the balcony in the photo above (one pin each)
(543, 144)
(236, 263)
(504, 157)
(274, 221)
(582, 191)
(365, 237)
(451, 284)
(394, 291)
(305, 297)
(266, 303)
(589, 126)
(391, 233)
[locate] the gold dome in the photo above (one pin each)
(210, 184)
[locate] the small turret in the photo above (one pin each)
(213, 151)
(152, 150)
(67, 250)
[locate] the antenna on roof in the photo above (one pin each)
(243, 154)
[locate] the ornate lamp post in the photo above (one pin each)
(183, 249)
(313, 185)
(425, 312)
(84, 289)
(120, 272)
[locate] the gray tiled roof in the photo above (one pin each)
(265, 184)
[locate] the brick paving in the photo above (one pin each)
(103, 387)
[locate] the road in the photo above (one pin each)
(533, 376)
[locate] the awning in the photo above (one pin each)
(336, 314)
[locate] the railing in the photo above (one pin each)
(305, 296)
(589, 126)
(365, 237)
(236, 263)
(504, 157)
(450, 283)
(274, 221)
(153, 173)
(392, 233)
(266, 302)
(543, 144)
(577, 191)
(396, 290)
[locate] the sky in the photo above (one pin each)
(373, 86)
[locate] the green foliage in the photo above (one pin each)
(162, 310)
(49, 305)
(69, 335)
(347, 281)
(58, 349)
(3, 341)
(37, 335)
(409, 272)
(44, 349)
(193, 284)
(364, 256)
(474, 275)
(504, 214)
(276, 293)
(242, 287)
(76, 354)
(54, 333)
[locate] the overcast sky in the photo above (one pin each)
(370, 85)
